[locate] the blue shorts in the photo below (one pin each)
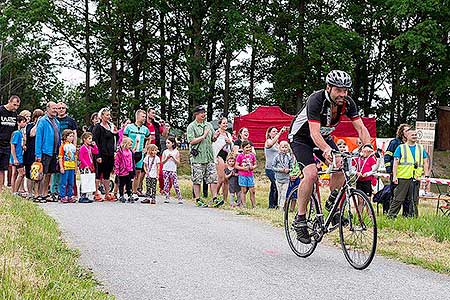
(246, 181)
(292, 186)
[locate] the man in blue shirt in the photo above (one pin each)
(46, 147)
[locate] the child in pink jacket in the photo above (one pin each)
(124, 168)
(86, 158)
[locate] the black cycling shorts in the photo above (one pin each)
(304, 151)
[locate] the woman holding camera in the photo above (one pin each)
(271, 148)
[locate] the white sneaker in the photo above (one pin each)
(135, 197)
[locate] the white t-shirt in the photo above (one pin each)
(220, 144)
(151, 167)
(170, 164)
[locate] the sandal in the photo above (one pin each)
(98, 197)
(110, 197)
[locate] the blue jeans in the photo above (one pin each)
(66, 183)
(273, 194)
(54, 183)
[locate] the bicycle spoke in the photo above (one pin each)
(300, 249)
(358, 237)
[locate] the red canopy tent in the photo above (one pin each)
(264, 117)
(259, 120)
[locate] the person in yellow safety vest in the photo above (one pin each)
(389, 161)
(410, 162)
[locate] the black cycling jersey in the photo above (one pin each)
(318, 109)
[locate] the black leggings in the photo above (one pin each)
(125, 181)
(151, 187)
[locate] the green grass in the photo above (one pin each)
(427, 225)
(34, 261)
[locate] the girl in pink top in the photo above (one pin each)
(245, 164)
(87, 152)
(86, 158)
(366, 165)
(124, 169)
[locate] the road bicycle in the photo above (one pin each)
(357, 223)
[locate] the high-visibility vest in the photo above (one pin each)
(406, 163)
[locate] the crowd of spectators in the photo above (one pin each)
(142, 150)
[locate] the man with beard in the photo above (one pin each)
(311, 128)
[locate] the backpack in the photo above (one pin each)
(37, 171)
(384, 197)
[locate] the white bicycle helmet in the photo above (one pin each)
(339, 78)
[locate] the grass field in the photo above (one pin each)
(34, 262)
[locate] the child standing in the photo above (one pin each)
(282, 164)
(246, 163)
(231, 174)
(170, 161)
(366, 166)
(16, 157)
(123, 168)
(67, 164)
(295, 176)
(151, 169)
(86, 157)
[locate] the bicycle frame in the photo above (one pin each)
(343, 191)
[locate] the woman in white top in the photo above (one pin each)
(222, 145)
(170, 160)
(270, 151)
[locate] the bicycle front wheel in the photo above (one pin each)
(290, 214)
(358, 230)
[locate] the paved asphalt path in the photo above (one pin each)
(171, 251)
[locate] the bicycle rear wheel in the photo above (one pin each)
(290, 213)
(358, 230)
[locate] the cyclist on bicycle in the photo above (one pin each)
(312, 127)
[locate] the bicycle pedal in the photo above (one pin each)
(333, 227)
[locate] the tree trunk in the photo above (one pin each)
(171, 93)
(212, 83)
(134, 66)
(114, 99)
(88, 50)
(144, 56)
(251, 91)
(423, 94)
(395, 96)
(226, 92)
(162, 65)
